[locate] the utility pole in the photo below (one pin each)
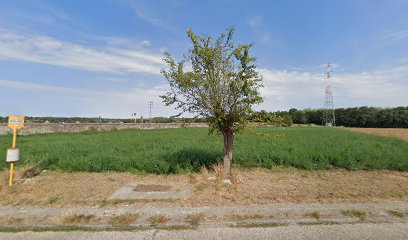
(134, 115)
(329, 118)
(150, 109)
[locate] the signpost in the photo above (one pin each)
(13, 153)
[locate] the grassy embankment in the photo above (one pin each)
(179, 150)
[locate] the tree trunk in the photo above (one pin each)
(228, 150)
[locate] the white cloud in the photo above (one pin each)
(395, 35)
(261, 30)
(47, 50)
(283, 89)
(156, 90)
(146, 43)
(255, 21)
(38, 87)
(148, 14)
(86, 102)
(301, 89)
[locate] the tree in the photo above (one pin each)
(217, 80)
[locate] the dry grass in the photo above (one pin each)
(243, 217)
(315, 215)
(195, 218)
(261, 186)
(10, 220)
(158, 219)
(354, 213)
(318, 223)
(256, 186)
(74, 218)
(123, 219)
(396, 213)
(401, 133)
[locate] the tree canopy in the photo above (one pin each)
(216, 79)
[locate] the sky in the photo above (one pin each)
(103, 57)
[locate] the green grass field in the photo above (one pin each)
(181, 150)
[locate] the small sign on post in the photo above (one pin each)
(13, 153)
(15, 122)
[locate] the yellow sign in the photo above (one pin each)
(15, 122)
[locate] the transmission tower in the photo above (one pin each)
(150, 109)
(329, 118)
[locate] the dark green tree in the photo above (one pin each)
(217, 80)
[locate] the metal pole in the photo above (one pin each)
(13, 145)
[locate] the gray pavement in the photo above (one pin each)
(380, 209)
(380, 231)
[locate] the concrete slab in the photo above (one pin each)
(128, 192)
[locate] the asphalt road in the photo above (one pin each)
(386, 231)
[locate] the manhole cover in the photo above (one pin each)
(151, 188)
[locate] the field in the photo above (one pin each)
(185, 150)
(390, 132)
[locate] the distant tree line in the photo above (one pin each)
(367, 117)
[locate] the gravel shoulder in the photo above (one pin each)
(389, 231)
(186, 217)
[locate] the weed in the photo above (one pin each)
(354, 213)
(396, 213)
(158, 219)
(314, 214)
(52, 200)
(103, 203)
(200, 187)
(260, 225)
(195, 218)
(123, 219)
(319, 223)
(242, 217)
(74, 218)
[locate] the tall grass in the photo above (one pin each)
(182, 150)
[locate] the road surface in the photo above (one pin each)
(372, 231)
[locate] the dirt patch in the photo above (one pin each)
(52, 188)
(256, 186)
(400, 133)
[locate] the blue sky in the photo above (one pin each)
(96, 57)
